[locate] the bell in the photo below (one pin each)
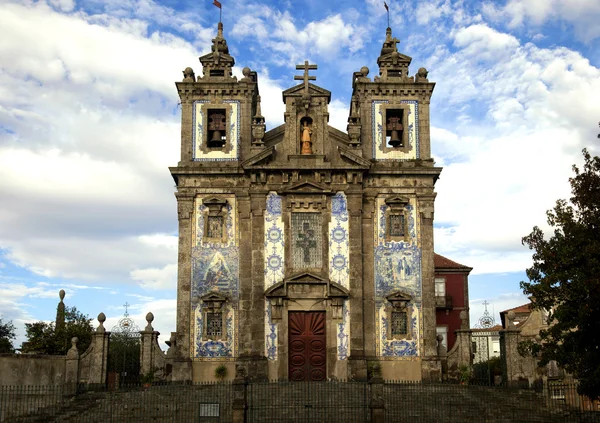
(216, 140)
(394, 126)
(395, 140)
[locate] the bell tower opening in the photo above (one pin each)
(217, 135)
(394, 127)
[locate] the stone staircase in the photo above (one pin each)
(312, 402)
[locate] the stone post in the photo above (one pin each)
(377, 403)
(442, 356)
(509, 341)
(72, 368)
(148, 337)
(239, 394)
(99, 358)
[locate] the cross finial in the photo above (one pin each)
(485, 303)
(126, 305)
(305, 77)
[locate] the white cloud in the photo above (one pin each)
(584, 15)
(155, 278)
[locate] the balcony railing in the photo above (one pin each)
(443, 301)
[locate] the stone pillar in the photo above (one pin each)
(424, 130)
(360, 324)
(240, 385)
(182, 368)
(148, 338)
(442, 353)
(187, 128)
(99, 354)
(430, 367)
(377, 402)
(72, 368)
(509, 341)
(464, 342)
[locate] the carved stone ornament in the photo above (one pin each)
(421, 75)
(188, 75)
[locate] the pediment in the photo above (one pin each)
(305, 277)
(313, 90)
(398, 296)
(337, 290)
(213, 296)
(260, 158)
(353, 158)
(223, 58)
(389, 57)
(307, 187)
(396, 201)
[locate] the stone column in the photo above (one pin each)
(424, 130)
(463, 341)
(99, 354)
(509, 341)
(359, 323)
(182, 369)
(72, 368)
(431, 368)
(377, 402)
(240, 385)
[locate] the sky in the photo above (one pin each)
(90, 122)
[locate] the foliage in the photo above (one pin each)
(148, 378)
(464, 374)
(42, 338)
(565, 280)
(7, 334)
(221, 372)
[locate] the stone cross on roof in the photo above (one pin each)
(305, 77)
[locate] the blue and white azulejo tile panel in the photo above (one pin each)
(274, 241)
(215, 268)
(339, 269)
(270, 334)
(199, 120)
(397, 267)
(343, 333)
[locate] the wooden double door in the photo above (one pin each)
(307, 346)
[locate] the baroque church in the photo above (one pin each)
(305, 252)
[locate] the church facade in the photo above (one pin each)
(305, 252)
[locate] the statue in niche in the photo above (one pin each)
(306, 142)
(188, 75)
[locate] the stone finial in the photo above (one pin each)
(149, 319)
(60, 312)
(246, 72)
(441, 350)
(73, 352)
(61, 295)
(464, 320)
(511, 319)
(101, 319)
(188, 75)
(421, 75)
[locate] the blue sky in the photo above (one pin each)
(89, 123)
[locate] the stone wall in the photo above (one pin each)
(25, 369)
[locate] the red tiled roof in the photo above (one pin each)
(525, 308)
(492, 329)
(441, 262)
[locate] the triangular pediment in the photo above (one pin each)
(396, 201)
(305, 277)
(337, 290)
(260, 158)
(307, 187)
(213, 296)
(398, 296)
(223, 58)
(398, 57)
(313, 90)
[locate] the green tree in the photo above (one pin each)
(7, 334)
(45, 338)
(565, 280)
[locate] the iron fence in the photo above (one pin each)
(297, 402)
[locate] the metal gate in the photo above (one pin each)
(124, 352)
(487, 362)
(295, 402)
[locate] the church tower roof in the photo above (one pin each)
(217, 64)
(392, 64)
